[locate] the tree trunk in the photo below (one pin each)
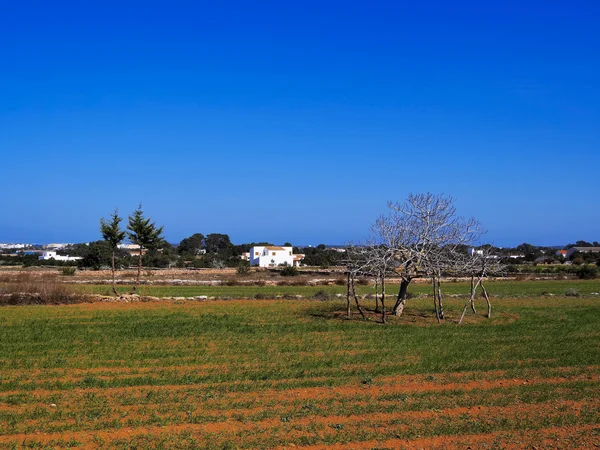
(139, 272)
(383, 320)
(401, 300)
(471, 300)
(473, 294)
(348, 296)
(487, 299)
(357, 302)
(376, 297)
(440, 297)
(113, 274)
(435, 305)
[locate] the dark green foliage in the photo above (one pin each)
(220, 244)
(144, 232)
(243, 268)
(99, 255)
(289, 271)
(111, 230)
(587, 272)
(192, 245)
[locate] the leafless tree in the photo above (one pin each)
(357, 263)
(424, 235)
(480, 265)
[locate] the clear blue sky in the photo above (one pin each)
(297, 121)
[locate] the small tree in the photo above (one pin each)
(145, 234)
(113, 235)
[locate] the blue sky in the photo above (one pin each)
(297, 121)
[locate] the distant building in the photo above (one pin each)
(581, 250)
(14, 246)
(272, 256)
(475, 252)
(562, 253)
(56, 246)
(47, 255)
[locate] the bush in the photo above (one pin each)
(28, 289)
(68, 271)
(340, 282)
(587, 272)
(572, 292)
(321, 295)
(243, 268)
(289, 271)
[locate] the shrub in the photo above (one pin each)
(68, 271)
(587, 272)
(243, 268)
(571, 292)
(362, 281)
(321, 295)
(340, 281)
(31, 290)
(289, 271)
(260, 296)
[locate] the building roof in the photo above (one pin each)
(586, 249)
(274, 248)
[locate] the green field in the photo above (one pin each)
(283, 374)
(496, 288)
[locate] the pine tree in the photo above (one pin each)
(112, 233)
(144, 233)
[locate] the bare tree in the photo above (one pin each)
(482, 264)
(357, 263)
(423, 235)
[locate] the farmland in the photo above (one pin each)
(297, 373)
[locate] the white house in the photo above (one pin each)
(52, 255)
(271, 256)
(475, 252)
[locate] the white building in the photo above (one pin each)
(52, 255)
(271, 256)
(475, 252)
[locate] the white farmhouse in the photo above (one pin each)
(52, 255)
(270, 256)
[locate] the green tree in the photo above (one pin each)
(143, 232)
(113, 235)
(220, 244)
(192, 245)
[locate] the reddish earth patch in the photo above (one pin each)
(418, 420)
(583, 436)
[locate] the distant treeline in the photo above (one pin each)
(217, 251)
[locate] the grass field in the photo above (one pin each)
(496, 288)
(289, 374)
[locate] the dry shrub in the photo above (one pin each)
(321, 295)
(260, 283)
(27, 289)
(340, 281)
(230, 282)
